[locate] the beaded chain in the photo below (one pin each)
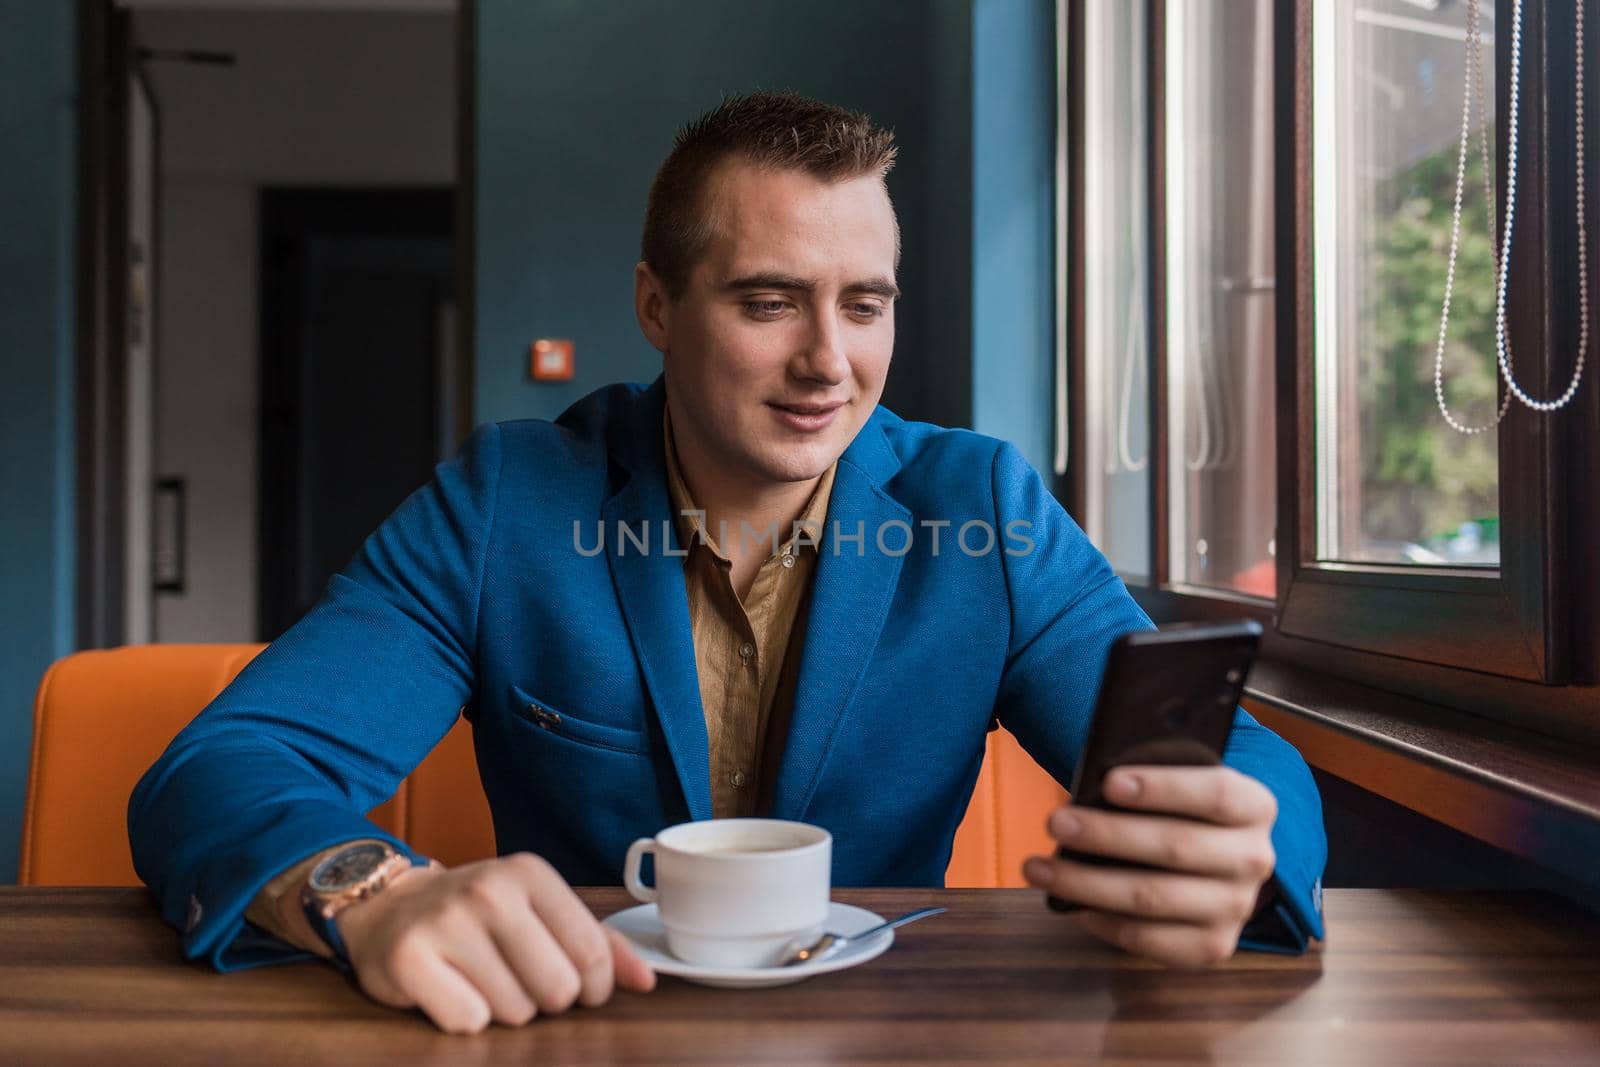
(1503, 258)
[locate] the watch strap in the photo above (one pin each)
(327, 929)
(323, 919)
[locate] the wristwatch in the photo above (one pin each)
(354, 873)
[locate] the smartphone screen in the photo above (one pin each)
(1167, 698)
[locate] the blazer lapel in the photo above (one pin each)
(850, 600)
(654, 603)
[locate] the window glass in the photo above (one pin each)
(1116, 286)
(1395, 484)
(1220, 293)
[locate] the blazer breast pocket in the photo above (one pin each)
(563, 724)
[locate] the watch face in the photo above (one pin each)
(348, 867)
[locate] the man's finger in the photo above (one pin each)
(575, 930)
(633, 973)
(1174, 844)
(1142, 893)
(552, 980)
(443, 994)
(1175, 944)
(473, 952)
(1215, 794)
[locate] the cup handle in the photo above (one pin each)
(630, 869)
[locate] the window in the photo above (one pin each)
(1116, 302)
(1395, 483)
(1220, 288)
(1261, 197)
(1197, 434)
(1380, 553)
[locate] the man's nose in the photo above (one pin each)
(823, 358)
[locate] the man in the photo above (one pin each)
(744, 590)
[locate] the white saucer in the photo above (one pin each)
(642, 927)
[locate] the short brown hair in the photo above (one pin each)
(781, 130)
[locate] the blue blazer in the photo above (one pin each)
(483, 595)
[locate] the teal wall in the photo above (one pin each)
(1013, 230)
(37, 191)
(577, 106)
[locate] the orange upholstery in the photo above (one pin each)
(1005, 821)
(101, 718)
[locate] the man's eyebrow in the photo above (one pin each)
(875, 286)
(770, 280)
(790, 282)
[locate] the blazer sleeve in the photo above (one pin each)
(325, 723)
(1067, 607)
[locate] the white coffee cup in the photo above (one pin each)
(736, 892)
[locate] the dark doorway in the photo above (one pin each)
(358, 375)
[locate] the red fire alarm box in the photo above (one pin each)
(550, 360)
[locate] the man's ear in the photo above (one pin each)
(651, 306)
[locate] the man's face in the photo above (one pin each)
(776, 352)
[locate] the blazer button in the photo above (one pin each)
(544, 716)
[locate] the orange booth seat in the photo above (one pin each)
(102, 718)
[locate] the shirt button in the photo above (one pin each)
(788, 559)
(746, 650)
(738, 779)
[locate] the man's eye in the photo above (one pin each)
(765, 307)
(867, 311)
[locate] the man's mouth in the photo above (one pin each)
(809, 409)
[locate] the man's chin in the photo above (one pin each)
(784, 457)
(797, 463)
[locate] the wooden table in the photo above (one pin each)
(92, 976)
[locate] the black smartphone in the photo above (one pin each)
(1167, 698)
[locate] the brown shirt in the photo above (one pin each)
(740, 649)
(740, 645)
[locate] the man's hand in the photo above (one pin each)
(1208, 828)
(501, 940)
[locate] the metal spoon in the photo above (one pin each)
(828, 944)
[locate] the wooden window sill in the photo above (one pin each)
(1533, 796)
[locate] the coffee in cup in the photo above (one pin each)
(736, 892)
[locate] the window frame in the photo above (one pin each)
(1509, 623)
(1501, 645)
